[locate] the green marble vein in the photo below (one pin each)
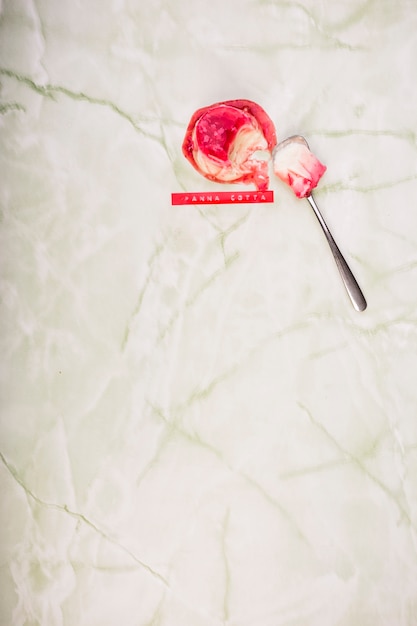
(268, 49)
(367, 188)
(196, 440)
(194, 297)
(174, 428)
(224, 234)
(336, 134)
(63, 508)
(204, 392)
(159, 248)
(49, 91)
(313, 469)
(321, 353)
(360, 465)
(11, 106)
(321, 29)
(156, 618)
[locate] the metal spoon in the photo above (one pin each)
(354, 291)
(352, 287)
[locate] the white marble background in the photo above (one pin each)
(197, 429)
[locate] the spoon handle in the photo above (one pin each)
(352, 287)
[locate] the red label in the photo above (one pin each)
(223, 197)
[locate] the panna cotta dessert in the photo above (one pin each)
(222, 140)
(296, 165)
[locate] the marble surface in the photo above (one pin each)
(197, 429)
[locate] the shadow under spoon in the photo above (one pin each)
(354, 291)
